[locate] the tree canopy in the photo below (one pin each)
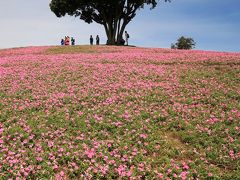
(184, 43)
(114, 15)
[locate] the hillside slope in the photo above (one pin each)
(103, 112)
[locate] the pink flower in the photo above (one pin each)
(62, 173)
(144, 136)
(186, 167)
(90, 153)
(183, 175)
(80, 113)
(55, 166)
(60, 176)
(210, 174)
(160, 175)
(39, 158)
(98, 118)
(121, 170)
(129, 173)
(50, 144)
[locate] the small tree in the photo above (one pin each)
(185, 43)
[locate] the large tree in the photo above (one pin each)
(114, 15)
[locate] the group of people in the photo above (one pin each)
(71, 41)
(97, 40)
(66, 41)
(124, 41)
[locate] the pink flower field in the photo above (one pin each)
(103, 112)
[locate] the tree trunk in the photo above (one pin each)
(120, 35)
(111, 39)
(110, 33)
(115, 32)
(118, 31)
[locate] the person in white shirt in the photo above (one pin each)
(126, 37)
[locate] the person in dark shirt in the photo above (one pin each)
(91, 40)
(97, 40)
(72, 41)
(62, 42)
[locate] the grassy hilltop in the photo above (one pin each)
(88, 112)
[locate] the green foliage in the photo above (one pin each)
(113, 15)
(184, 43)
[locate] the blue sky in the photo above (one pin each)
(213, 24)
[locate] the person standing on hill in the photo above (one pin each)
(67, 40)
(126, 37)
(62, 42)
(91, 40)
(97, 40)
(72, 41)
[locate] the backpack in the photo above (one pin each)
(128, 36)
